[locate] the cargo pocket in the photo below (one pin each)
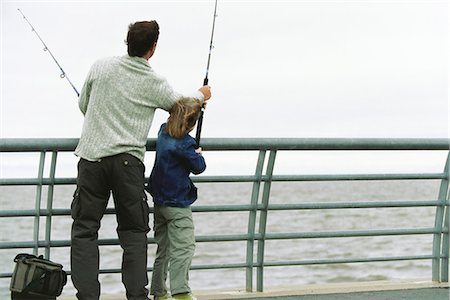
(133, 168)
(185, 222)
(75, 206)
(184, 233)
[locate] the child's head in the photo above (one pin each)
(183, 116)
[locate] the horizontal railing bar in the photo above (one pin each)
(36, 181)
(243, 207)
(58, 243)
(247, 207)
(150, 269)
(323, 205)
(110, 211)
(351, 177)
(5, 275)
(44, 212)
(222, 208)
(281, 263)
(320, 177)
(72, 181)
(231, 144)
(193, 267)
(342, 205)
(248, 178)
(219, 266)
(245, 237)
(324, 144)
(53, 243)
(101, 271)
(37, 144)
(115, 241)
(227, 178)
(344, 260)
(225, 238)
(351, 233)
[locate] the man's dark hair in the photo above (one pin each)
(141, 37)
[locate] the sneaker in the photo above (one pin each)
(165, 297)
(186, 296)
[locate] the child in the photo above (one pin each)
(173, 192)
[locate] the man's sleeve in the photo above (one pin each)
(83, 100)
(166, 96)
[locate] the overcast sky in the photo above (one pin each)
(278, 69)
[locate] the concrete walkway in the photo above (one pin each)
(414, 294)
(374, 290)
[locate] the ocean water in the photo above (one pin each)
(21, 229)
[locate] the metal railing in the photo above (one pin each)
(259, 203)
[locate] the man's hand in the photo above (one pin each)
(206, 91)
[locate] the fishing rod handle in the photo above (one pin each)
(199, 128)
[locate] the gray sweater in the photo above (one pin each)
(118, 100)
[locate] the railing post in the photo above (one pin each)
(438, 247)
(48, 223)
(263, 221)
(252, 221)
(445, 245)
(37, 205)
(445, 235)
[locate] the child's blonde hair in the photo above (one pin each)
(183, 116)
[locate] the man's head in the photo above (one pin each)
(141, 37)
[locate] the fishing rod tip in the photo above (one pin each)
(21, 13)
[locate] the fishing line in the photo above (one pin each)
(63, 74)
(205, 81)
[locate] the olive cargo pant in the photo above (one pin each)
(174, 235)
(122, 174)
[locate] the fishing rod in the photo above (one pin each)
(205, 81)
(63, 74)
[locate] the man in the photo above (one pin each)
(118, 100)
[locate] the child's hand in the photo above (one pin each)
(199, 150)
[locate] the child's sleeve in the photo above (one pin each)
(193, 161)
